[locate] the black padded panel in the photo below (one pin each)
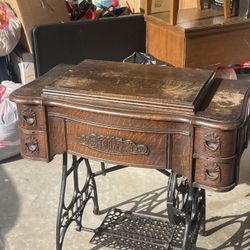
(4, 69)
(112, 38)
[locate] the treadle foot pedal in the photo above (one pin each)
(132, 231)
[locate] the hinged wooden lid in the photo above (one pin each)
(167, 88)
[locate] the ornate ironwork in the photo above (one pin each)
(186, 207)
(127, 230)
(74, 211)
(31, 144)
(212, 171)
(178, 189)
(194, 217)
(113, 145)
(29, 116)
(212, 141)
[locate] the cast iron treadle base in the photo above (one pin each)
(132, 231)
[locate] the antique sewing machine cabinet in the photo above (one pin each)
(185, 123)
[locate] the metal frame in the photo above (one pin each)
(81, 195)
(185, 204)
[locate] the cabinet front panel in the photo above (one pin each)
(120, 146)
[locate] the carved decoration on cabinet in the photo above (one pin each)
(212, 141)
(113, 145)
(29, 116)
(212, 172)
(31, 144)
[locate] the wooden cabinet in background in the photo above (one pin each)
(204, 38)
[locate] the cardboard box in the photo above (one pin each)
(23, 66)
(34, 12)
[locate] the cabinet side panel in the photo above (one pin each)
(57, 141)
(181, 151)
(165, 43)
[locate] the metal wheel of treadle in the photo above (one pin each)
(186, 205)
(194, 217)
(178, 189)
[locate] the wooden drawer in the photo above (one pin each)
(215, 174)
(31, 117)
(119, 146)
(215, 143)
(34, 146)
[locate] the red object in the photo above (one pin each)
(4, 19)
(115, 3)
(2, 91)
(237, 66)
(90, 14)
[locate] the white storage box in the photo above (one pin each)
(23, 66)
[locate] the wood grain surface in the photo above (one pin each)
(103, 110)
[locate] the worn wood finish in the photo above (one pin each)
(196, 40)
(119, 113)
(188, 86)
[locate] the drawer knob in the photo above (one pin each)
(212, 141)
(212, 172)
(31, 144)
(30, 120)
(29, 116)
(32, 147)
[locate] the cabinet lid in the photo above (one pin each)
(116, 83)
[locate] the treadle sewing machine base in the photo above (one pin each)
(127, 230)
(183, 122)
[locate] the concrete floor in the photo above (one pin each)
(29, 194)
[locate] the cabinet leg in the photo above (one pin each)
(186, 205)
(73, 211)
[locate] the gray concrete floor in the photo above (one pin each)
(29, 194)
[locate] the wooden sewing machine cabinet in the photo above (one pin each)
(182, 122)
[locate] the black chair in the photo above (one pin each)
(112, 38)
